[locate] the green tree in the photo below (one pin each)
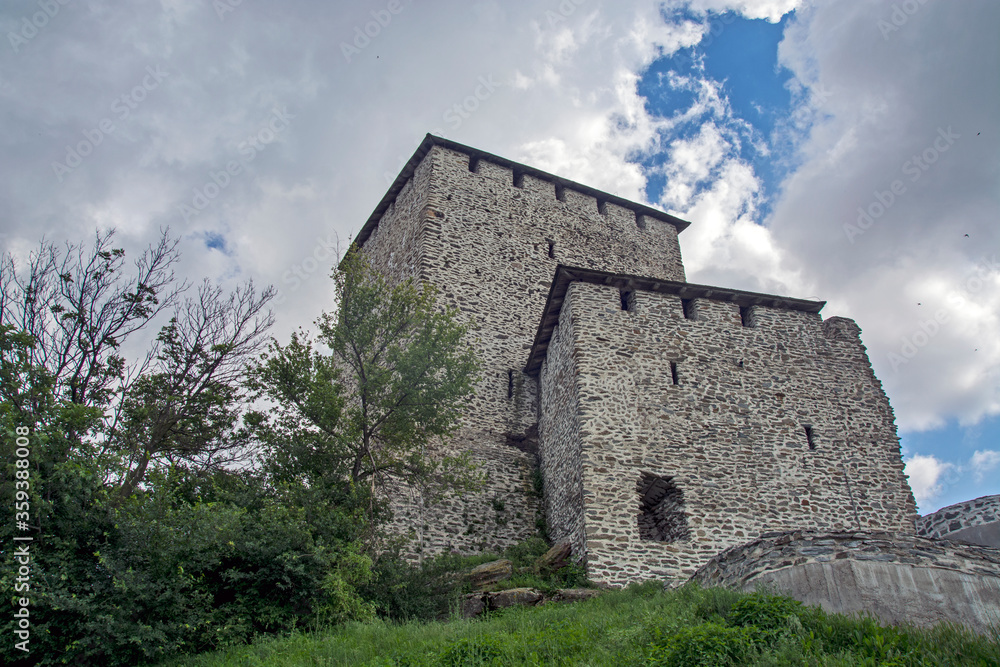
(145, 543)
(179, 404)
(395, 381)
(80, 306)
(187, 407)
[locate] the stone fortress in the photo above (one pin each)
(649, 422)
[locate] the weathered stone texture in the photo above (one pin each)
(555, 558)
(976, 521)
(900, 578)
(491, 248)
(666, 429)
(525, 597)
(730, 434)
(505, 512)
(489, 574)
(558, 428)
(395, 244)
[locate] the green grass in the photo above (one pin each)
(641, 625)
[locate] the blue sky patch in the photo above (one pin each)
(745, 57)
(957, 445)
(215, 241)
(741, 56)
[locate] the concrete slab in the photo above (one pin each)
(895, 592)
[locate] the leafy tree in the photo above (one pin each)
(395, 381)
(79, 307)
(198, 559)
(187, 409)
(178, 404)
(147, 541)
(63, 492)
(105, 578)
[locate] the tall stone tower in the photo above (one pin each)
(667, 420)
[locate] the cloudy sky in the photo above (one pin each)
(846, 151)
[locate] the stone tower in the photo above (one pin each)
(667, 420)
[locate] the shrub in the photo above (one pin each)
(526, 553)
(766, 612)
(710, 644)
(710, 604)
(403, 591)
(475, 651)
(165, 574)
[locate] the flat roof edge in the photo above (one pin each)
(565, 275)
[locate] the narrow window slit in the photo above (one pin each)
(510, 383)
(746, 316)
(690, 312)
(560, 192)
(552, 250)
(809, 437)
(474, 164)
(673, 373)
(628, 299)
(518, 179)
(602, 207)
(640, 220)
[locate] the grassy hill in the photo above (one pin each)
(641, 625)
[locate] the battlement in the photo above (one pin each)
(579, 197)
(693, 302)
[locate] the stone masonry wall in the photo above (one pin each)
(394, 249)
(558, 428)
(506, 510)
(730, 434)
(491, 246)
(394, 246)
(959, 517)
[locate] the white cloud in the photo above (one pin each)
(691, 162)
(925, 473)
(566, 101)
(982, 462)
(888, 99)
